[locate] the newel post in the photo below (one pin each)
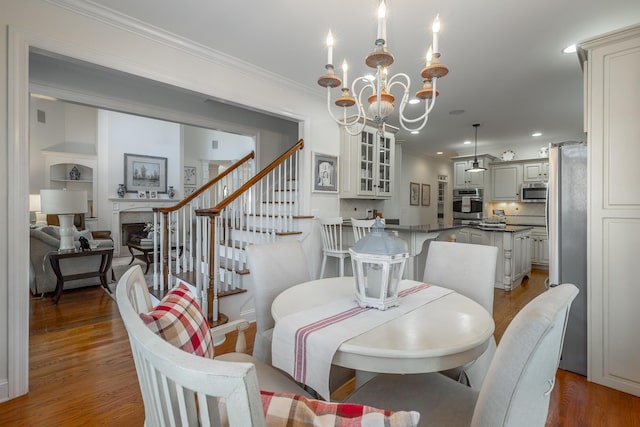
(213, 313)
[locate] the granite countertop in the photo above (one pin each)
(428, 228)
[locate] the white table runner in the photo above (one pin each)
(304, 343)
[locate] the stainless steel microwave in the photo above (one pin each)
(534, 192)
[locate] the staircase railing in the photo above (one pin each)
(259, 211)
(177, 224)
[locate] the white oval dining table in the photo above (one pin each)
(445, 333)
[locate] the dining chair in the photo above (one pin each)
(331, 232)
(273, 268)
(469, 270)
(181, 388)
(361, 227)
(518, 385)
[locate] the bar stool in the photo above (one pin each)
(331, 230)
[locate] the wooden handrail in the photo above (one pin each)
(208, 185)
(247, 185)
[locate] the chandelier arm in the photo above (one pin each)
(346, 123)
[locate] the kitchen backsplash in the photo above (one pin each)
(520, 213)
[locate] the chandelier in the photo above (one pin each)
(381, 102)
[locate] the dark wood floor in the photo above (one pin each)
(82, 374)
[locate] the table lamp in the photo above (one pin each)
(378, 261)
(65, 204)
(34, 206)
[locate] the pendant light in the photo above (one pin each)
(476, 166)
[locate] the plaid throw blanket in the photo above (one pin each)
(286, 410)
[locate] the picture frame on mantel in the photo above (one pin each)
(325, 173)
(414, 194)
(145, 173)
(426, 194)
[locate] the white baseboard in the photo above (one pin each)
(4, 390)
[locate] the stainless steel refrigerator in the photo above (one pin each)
(567, 231)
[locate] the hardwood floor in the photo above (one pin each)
(82, 373)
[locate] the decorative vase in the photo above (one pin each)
(171, 192)
(121, 190)
(74, 173)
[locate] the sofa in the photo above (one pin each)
(45, 239)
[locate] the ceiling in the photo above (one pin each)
(506, 69)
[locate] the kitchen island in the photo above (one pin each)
(514, 250)
(512, 241)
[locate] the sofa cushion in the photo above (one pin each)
(51, 230)
(285, 409)
(179, 320)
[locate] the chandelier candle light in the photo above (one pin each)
(381, 101)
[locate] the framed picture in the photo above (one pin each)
(414, 194)
(145, 173)
(142, 194)
(426, 195)
(188, 190)
(190, 175)
(153, 194)
(325, 173)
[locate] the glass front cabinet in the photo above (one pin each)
(367, 163)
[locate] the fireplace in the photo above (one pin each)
(132, 232)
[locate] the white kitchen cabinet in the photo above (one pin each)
(473, 236)
(536, 172)
(539, 246)
(463, 179)
(367, 164)
(514, 252)
(612, 73)
(506, 181)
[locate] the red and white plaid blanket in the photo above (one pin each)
(304, 343)
(287, 410)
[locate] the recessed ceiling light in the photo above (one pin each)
(439, 152)
(467, 142)
(415, 132)
(569, 49)
(536, 134)
(414, 101)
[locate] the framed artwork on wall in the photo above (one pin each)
(325, 173)
(190, 175)
(414, 194)
(426, 195)
(145, 173)
(188, 190)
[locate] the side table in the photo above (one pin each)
(146, 251)
(105, 264)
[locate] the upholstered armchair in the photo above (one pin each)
(46, 239)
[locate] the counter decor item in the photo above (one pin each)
(121, 190)
(378, 261)
(74, 174)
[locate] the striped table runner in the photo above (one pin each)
(304, 343)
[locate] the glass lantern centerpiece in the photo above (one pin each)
(378, 261)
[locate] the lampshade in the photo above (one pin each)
(65, 204)
(63, 201)
(34, 203)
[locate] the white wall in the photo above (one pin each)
(43, 25)
(421, 169)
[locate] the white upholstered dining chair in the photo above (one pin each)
(273, 268)
(180, 388)
(469, 270)
(518, 385)
(331, 232)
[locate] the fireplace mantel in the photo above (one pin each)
(124, 205)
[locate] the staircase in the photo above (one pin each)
(235, 209)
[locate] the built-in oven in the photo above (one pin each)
(534, 192)
(468, 204)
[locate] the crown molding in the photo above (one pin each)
(140, 28)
